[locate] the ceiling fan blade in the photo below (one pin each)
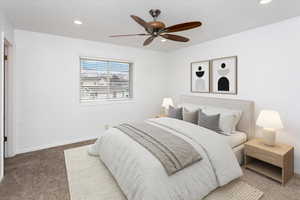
(182, 27)
(141, 22)
(175, 37)
(149, 40)
(140, 34)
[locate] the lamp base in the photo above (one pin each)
(164, 111)
(269, 137)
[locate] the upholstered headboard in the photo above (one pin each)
(246, 124)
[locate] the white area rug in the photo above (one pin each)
(89, 179)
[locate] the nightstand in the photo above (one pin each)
(275, 162)
(160, 115)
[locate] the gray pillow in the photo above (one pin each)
(209, 121)
(175, 112)
(190, 116)
(228, 118)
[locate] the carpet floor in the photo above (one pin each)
(41, 175)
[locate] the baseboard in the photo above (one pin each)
(41, 147)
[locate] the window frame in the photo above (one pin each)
(108, 100)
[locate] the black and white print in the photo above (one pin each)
(224, 75)
(200, 76)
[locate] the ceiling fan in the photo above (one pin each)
(156, 28)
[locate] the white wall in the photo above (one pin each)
(268, 71)
(47, 89)
(6, 27)
(6, 32)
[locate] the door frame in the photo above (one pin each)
(8, 100)
(9, 97)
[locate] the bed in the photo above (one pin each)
(245, 129)
(170, 159)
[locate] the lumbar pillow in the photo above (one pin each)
(175, 112)
(190, 116)
(209, 121)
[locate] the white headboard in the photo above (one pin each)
(246, 124)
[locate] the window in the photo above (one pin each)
(105, 80)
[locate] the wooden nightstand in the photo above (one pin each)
(274, 162)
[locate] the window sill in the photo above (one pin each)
(106, 102)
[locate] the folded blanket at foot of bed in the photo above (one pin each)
(173, 152)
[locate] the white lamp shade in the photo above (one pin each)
(269, 119)
(167, 102)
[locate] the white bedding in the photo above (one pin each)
(142, 177)
(236, 138)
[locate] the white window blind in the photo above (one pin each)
(105, 80)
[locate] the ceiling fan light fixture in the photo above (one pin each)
(263, 2)
(77, 22)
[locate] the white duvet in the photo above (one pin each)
(142, 177)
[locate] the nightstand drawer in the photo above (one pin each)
(264, 156)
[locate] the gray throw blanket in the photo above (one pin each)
(173, 152)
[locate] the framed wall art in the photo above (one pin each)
(224, 75)
(200, 76)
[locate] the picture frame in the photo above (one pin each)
(200, 76)
(224, 75)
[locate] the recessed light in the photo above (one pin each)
(77, 22)
(163, 40)
(265, 1)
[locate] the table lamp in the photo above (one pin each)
(270, 121)
(167, 102)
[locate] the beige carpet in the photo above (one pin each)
(89, 179)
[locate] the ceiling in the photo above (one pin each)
(102, 18)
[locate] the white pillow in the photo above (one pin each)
(228, 118)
